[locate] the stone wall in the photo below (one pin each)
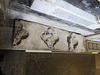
(97, 60)
(21, 63)
(14, 63)
(34, 36)
(6, 25)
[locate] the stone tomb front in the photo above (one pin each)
(34, 36)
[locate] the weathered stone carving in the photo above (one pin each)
(50, 37)
(72, 42)
(20, 33)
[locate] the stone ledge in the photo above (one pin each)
(16, 12)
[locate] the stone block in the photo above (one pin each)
(34, 36)
(6, 37)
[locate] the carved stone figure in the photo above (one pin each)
(68, 40)
(50, 37)
(72, 42)
(20, 33)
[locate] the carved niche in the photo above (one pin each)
(72, 41)
(50, 37)
(20, 33)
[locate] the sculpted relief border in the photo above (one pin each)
(35, 36)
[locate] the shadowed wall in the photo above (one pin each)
(21, 63)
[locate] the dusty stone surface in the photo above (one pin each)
(21, 63)
(6, 37)
(60, 64)
(20, 33)
(34, 41)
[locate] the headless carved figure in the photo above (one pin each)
(49, 37)
(20, 33)
(72, 42)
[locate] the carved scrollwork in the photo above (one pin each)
(50, 37)
(20, 33)
(72, 42)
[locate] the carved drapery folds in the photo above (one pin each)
(20, 33)
(50, 37)
(72, 42)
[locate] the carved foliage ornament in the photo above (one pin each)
(50, 37)
(20, 33)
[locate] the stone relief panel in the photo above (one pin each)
(50, 37)
(72, 41)
(20, 33)
(34, 36)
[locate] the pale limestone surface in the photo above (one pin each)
(34, 41)
(65, 11)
